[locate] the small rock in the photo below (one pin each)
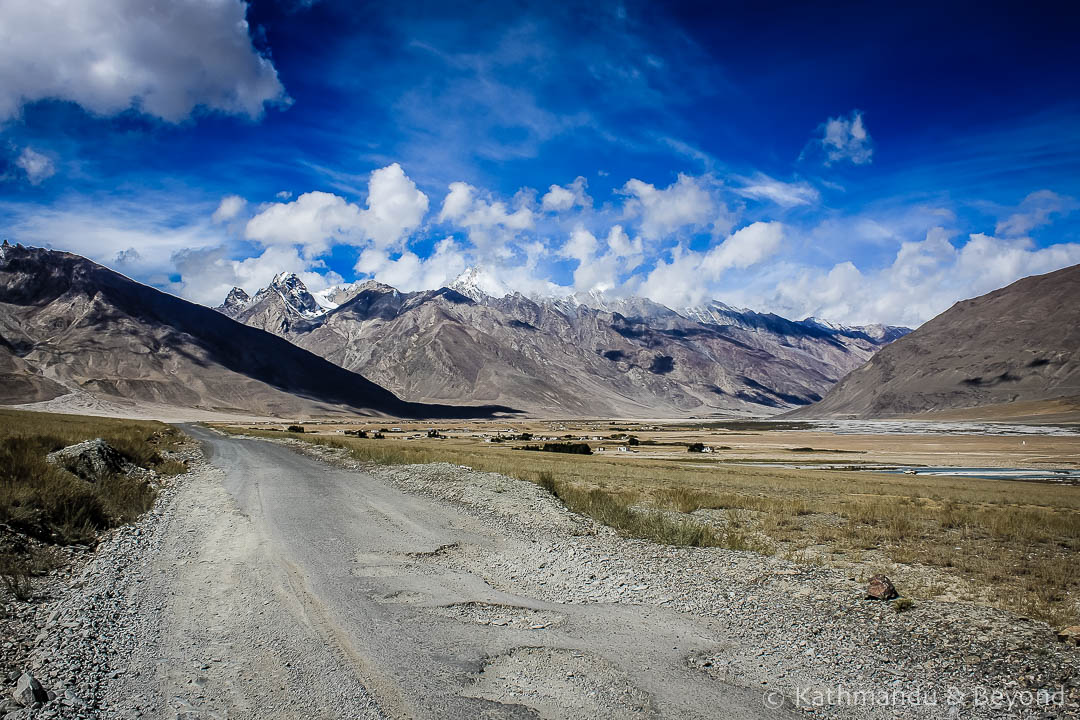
(881, 588)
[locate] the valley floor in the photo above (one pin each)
(270, 584)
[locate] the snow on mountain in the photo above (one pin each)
(236, 301)
(295, 294)
(477, 283)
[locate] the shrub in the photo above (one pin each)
(571, 448)
(901, 604)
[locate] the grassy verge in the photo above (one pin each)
(1012, 543)
(43, 505)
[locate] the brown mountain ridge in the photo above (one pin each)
(68, 324)
(1012, 353)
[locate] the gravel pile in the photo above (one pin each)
(74, 645)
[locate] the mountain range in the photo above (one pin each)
(579, 355)
(70, 325)
(1010, 354)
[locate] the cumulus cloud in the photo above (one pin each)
(686, 203)
(395, 206)
(691, 277)
(162, 58)
(410, 272)
(1036, 210)
(230, 207)
(312, 221)
(491, 225)
(560, 198)
(467, 207)
(38, 167)
(924, 279)
(844, 139)
(763, 187)
(316, 220)
(601, 264)
(745, 247)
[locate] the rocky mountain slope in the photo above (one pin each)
(580, 355)
(1014, 352)
(69, 324)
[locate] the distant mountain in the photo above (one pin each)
(577, 355)
(68, 324)
(1014, 352)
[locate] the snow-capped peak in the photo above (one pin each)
(295, 294)
(478, 283)
(714, 312)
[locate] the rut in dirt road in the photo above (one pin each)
(356, 561)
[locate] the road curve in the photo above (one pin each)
(353, 558)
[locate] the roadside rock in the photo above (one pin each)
(90, 460)
(29, 691)
(1069, 635)
(881, 588)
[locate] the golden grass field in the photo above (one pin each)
(1009, 543)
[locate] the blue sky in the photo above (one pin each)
(858, 164)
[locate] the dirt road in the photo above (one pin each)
(295, 589)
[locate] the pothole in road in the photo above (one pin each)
(437, 552)
(511, 616)
(561, 683)
(404, 597)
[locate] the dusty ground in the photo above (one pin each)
(934, 444)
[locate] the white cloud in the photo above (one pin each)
(924, 279)
(763, 187)
(676, 283)
(311, 221)
(230, 207)
(845, 138)
(161, 58)
(139, 235)
(37, 167)
(492, 228)
(1036, 210)
(395, 206)
(692, 277)
(317, 219)
(684, 203)
(560, 198)
(745, 247)
(409, 272)
(465, 207)
(601, 266)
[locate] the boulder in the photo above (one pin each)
(90, 460)
(1070, 635)
(29, 691)
(881, 588)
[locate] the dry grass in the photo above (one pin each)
(48, 503)
(1013, 542)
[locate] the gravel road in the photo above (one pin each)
(272, 583)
